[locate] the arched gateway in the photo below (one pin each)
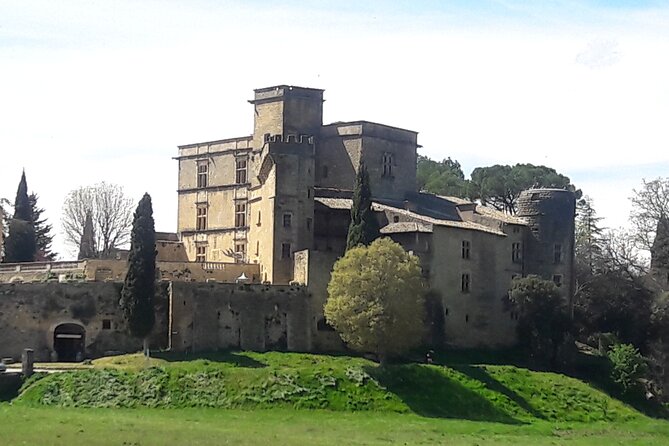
(69, 342)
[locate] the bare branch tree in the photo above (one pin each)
(650, 205)
(110, 210)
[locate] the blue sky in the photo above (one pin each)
(97, 91)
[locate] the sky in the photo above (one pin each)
(96, 91)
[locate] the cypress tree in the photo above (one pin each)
(140, 280)
(22, 209)
(364, 227)
(21, 243)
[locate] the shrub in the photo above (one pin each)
(627, 366)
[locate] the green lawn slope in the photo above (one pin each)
(505, 394)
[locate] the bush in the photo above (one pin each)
(627, 366)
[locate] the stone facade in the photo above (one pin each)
(280, 199)
(73, 321)
(69, 321)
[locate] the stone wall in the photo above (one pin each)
(31, 312)
(211, 316)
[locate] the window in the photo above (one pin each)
(324, 171)
(308, 192)
(466, 247)
(285, 250)
(201, 222)
(240, 215)
(557, 279)
(258, 219)
(240, 251)
(557, 253)
(396, 219)
(257, 248)
(465, 283)
(466, 318)
(287, 220)
(200, 254)
(241, 171)
(516, 252)
(322, 325)
(106, 324)
(516, 229)
(387, 164)
(309, 220)
(202, 173)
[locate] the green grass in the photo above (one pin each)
(147, 427)
(503, 394)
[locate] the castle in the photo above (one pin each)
(261, 221)
(281, 198)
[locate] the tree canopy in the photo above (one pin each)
(441, 178)
(543, 321)
(376, 299)
(111, 213)
(364, 228)
(500, 185)
(650, 205)
(140, 281)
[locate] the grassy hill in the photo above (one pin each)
(500, 393)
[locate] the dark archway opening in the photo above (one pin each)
(69, 342)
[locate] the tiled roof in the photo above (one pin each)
(488, 211)
(345, 203)
(406, 226)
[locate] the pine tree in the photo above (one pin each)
(140, 281)
(42, 231)
(21, 243)
(364, 227)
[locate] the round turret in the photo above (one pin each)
(549, 246)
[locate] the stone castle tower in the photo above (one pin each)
(549, 246)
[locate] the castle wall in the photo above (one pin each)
(477, 317)
(313, 269)
(30, 312)
(209, 316)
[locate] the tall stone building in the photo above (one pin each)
(281, 198)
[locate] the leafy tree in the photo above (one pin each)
(364, 227)
(21, 243)
(650, 205)
(110, 210)
(441, 178)
(375, 299)
(499, 186)
(612, 295)
(627, 366)
(42, 231)
(543, 322)
(140, 280)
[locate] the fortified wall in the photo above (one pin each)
(69, 321)
(73, 321)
